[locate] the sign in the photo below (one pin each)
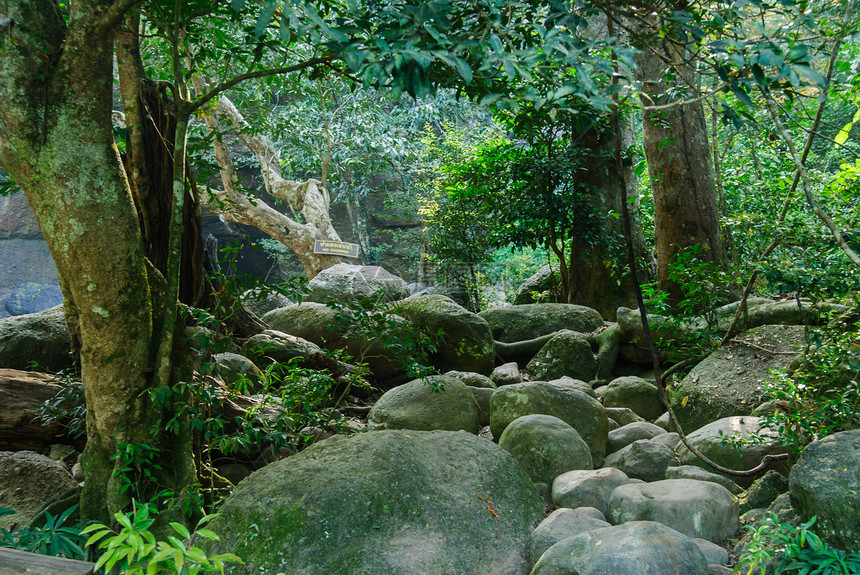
(336, 248)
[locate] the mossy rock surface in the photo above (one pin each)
(545, 446)
(414, 405)
(392, 502)
(568, 353)
(36, 337)
(522, 322)
(729, 381)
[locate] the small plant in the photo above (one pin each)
(137, 464)
(793, 550)
(68, 406)
(133, 548)
(53, 538)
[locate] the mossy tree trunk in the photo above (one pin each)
(57, 143)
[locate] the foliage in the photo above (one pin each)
(794, 550)
(53, 538)
(68, 407)
(133, 548)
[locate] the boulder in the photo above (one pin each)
(545, 447)
(237, 369)
(37, 337)
(715, 554)
(577, 409)
(523, 322)
(635, 548)
(347, 283)
(384, 502)
(568, 353)
(826, 482)
(621, 415)
(482, 396)
(561, 524)
(33, 297)
(572, 383)
(465, 341)
(506, 374)
(472, 379)
(624, 436)
(27, 481)
(695, 508)
(415, 405)
(544, 282)
(635, 393)
(587, 488)
(276, 346)
(736, 443)
(643, 460)
(699, 474)
(670, 440)
(728, 382)
(764, 491)
(260, 302)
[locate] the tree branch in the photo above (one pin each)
(114, 15)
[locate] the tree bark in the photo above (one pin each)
(55, 105)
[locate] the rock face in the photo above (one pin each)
(272, 345)
(587, 488)
(577, 409)
(41, 337)
(624, 436)
(237, 369)
(24, 255)
(544, 281)
(635, 548)
(466, 342)
(561, 524)
(27, 481)
(414, 405)
(347, 283)
(522, 322)
(695, 508)
(728, 381)
(568, 353)
(399, 502)
(643, 460)
(31, 297)
(545, 446)
(636, 394)
(826, 482)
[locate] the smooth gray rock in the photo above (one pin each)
(31, 297)
(566, 381)
(561, 524)
(482, 397)
(636, 394)
(670, 440)
(347, 283)
(27, 481)
(715, 554)
(543, 282)
(276, 346)
(624, 436)
(568, 353)
(826, 482)
(635, 548)
(414, 405)
(695, 508)
(506, 374)
(523, 322)
(584, 488)
(36, 337)
(699, 474)
(545, 446)
(383, 502)
(643, 460)
(472, 379)
(238, 369)
(622, 415)
(764, 491)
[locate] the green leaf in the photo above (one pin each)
(842, 136)
(264, 19)
(237, 5)
(181, 529)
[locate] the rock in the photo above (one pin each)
(699, 474)
(544, 282)
(33, 297)
(383, 502)
(582, 412)
(764, 491)
(643, 460)
(312, 321)
(568, 353)
(237, 369)
(472, 379)
(506, 374)
(522, 322)
(634, 393)
(749, 432)
(466, 341)
(27, 481)
(545, 447)
(37, 337)
(415, 287)
(826, 482)
(24, 255)
(635, 548)
(571, 383)
(347, 283)
(260, 303)
(482, 396)
(561, 524)
(670, 440)
(622, 415)
(728, 381)
(665, 421)
(715, 554)
(695, 508)
(624, 436)
(414, 405)
(587, 488)
(277, 346)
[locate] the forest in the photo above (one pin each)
(674, 167)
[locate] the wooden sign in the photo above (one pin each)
(336, 248)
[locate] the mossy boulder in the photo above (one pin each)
(522, 322)
(277, 346)
(545, 446)
(826, 482)
(574, 407)
(36, 337)
(466, 342)
(729, 381)
(347, 283)
(568, 353)
(415, 405)
(399, 502)
(545, 283)
(234, 368)
(640, 396)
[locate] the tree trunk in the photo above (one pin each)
(55, 105)
(680, 165)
